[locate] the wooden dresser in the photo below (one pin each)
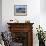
(22, 33)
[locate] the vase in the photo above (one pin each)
(41, 43)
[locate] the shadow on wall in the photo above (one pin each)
(43, 6)
(0, 15)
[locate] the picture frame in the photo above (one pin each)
(20, 10)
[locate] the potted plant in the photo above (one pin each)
(41, 36)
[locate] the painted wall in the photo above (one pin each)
(33, 11)
(43, 6)
(43, 14)
(0, 15)
(34, 14)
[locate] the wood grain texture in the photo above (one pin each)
(23, 27)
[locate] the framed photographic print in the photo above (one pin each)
(20, 10)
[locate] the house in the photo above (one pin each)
(36, 13)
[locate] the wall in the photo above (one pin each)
(43, 14)
(33, 10)
(43, 6)
(34, 14)
(0, 15)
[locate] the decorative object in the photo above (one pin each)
(20, 10)
(41, 36)
(45, 34)
(1, 40)
(27, 21)
(0, 45)
(13, 21)
(7, 38)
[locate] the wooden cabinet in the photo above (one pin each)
(22, 33)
